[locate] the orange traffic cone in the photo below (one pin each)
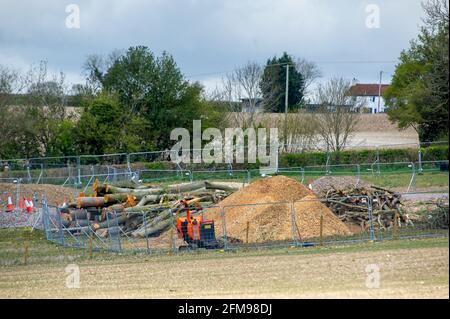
(22, 203)
(10, 205)
(30, 205)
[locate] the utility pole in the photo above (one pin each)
(286, 100)
(379, 92)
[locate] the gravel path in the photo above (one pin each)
(18, 219)
(424, 196)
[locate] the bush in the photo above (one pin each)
(432, 153)
(435, 153)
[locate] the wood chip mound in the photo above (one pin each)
(263, 222)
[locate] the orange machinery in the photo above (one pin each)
(195, 231)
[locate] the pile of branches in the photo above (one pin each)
(138, 210)
(437, 218)
(351, 205)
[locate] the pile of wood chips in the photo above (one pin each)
(262, 211)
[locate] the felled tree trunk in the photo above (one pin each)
(159, 223)
(209, 185)
(185, 187)
(83, 202)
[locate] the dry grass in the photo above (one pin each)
(417, 269)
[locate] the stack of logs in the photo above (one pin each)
(351, 205)
(137, 210)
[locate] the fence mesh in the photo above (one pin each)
(302, 223)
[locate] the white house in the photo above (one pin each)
(369, 94)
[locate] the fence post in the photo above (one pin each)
(395, 226)
(45, 217)
(109, 235)
(173, 234)
(295, 234)
(90, 246)
(129, 167)
(78, 170)
(420, 158)
(321, 230)
(145, 227)
(61, 232)
(327, 164)
(224, 229)
(412, 182)
(358, 169)
(378, 162)
(119, 243)
(18, 192)
(369, 209)
(30, 179)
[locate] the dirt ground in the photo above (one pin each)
(370, 130)
(55, 194)
(421, 272)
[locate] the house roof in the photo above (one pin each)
(367, 89)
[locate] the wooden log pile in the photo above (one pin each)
(137, 210)
(351, 205)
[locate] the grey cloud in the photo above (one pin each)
(210, 36)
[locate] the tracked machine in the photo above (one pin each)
(196, 232)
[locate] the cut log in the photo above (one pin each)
(78, 214)
(154, 229)
(83, 202)
(209, 185)
(182, 188)
(80, 223)
(111, 222)
(154, 226)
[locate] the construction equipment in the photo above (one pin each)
(196, 232)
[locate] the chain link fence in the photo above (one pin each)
(303, 223)
(74, 169)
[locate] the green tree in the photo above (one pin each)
(273, 84)
(99, 128)
(154, 96)
(418, 95)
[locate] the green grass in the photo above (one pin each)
(387, 179)
(41, 251)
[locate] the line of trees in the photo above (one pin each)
(133, 99)
(131, 102)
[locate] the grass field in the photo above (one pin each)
(408, 269)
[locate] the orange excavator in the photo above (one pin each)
(196, 232)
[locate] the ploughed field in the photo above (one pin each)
(407, 269)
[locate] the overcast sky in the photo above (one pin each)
(210, 37)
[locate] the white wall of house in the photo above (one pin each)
(371, 102)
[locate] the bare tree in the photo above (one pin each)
(93, 69)
(437, 13)
(242, 84)
(300, 127)
(336, 119)
(309, 70)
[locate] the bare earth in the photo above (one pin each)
(404, 273)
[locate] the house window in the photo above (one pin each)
(373, 98)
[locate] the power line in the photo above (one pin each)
(292, 64)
